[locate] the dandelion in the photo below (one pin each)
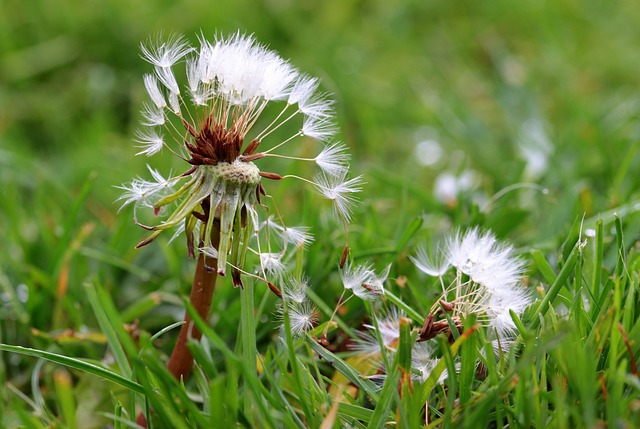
(226, 113)
(487, 283)
(240, 104)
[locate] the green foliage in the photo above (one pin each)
(87, 321)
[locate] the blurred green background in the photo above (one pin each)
(443, 105)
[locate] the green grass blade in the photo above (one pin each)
(105, 322)
(75, 364)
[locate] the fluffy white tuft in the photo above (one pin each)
(334, 159)
(340, 191)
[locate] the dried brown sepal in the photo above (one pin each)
(431, 328)
(235, 278)
(323, 341)
(189, 128)
(208, 267)
(274, 289)
(447, 306)
(191, 250)
(272, 176)
(146, 241)
(189, 172)
(251, 147)
(141, 225)
(603, 386)
(345, 253)
(200, 216)
(243, 217)
(252, 157)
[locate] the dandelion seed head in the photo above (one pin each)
(228, 121)
(493, 286)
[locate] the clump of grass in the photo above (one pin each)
(76, 295)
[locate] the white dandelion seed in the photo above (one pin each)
(303, 89)
(423, 363)
(363, 282)
(271, 263)
(321, 129)
(353, 276)
(302, 317)
(340, 191)
(143, 192)
(150, 141)
(434, 265)
(153, 116)
(209, 251)
(298, 236)
(373, 285)
(295, 290)
(165, 54)
(334, 159)
(388, 330)
(151, 84)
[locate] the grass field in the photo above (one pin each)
(522, 118)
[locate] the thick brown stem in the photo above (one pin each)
(204, 282)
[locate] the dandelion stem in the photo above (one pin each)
(204, 282)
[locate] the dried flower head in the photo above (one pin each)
(218, 124)
(487, 283)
